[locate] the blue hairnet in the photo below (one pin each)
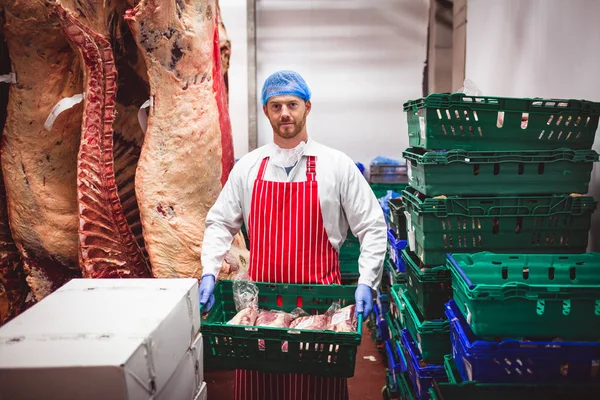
(283, 83)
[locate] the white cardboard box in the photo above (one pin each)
(187, 379)
(100, 339)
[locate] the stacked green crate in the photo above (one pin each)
(490, 174)
(350, 250)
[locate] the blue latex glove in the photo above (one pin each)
(364, 301)
(205, 292)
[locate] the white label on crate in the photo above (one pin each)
(410, 230)
(409, 171)
(422, 127)
(469, 315)
(467, 159)
(392, 253)
(468, 368)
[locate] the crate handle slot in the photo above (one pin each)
(551, 273)
(495, 225)
(541, 169)
(505, 273)
(500, 120)
(573, 273)
(525, 273)
(541, 305)
(566, 307)
(524, 120)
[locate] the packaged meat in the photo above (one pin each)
(245, 317)
(344, 320)
(312, 322)
(274, 319)
(245, 292)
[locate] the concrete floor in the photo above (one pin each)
(366, 384)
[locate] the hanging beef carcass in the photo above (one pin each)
(13, 288)
(225, 49)
(39, 164)
(188, 150)
(62, 191)
(107, 247)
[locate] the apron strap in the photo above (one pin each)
(311, 168)
(262, 169)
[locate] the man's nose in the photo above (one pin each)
(285, 112)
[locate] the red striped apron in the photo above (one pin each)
(289, 244)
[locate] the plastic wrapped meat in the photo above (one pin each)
(274, 319)
(344, 320)
(245, 317)
(312, 322)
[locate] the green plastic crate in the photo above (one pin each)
(397, 219)
(395, 276)
(381, 189)
(429, 287)
(489, 173)
(482, 123)
(323, 353)
(451, 369)
(350, 249)
(455, 389)
(529, 296)
(349, 270)
(405, 387)
(526, 224)
(432, 337)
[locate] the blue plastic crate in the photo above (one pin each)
(383, 301)
(421, 374)
(381, 323)
(514, 361)
(396, 360)
(395, 247)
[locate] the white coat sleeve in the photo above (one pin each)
(367, 222)
(223, 221)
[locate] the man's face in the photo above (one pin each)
(287, 115)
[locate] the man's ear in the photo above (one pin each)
(308, 106)
(265, 111)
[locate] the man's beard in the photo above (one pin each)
(290, 131)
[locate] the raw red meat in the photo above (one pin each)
(344, 320)
(107, 248)
(245, 317)
(312, 322)
(39, 165)
(274, 319)
(188, 148)
(13, 288)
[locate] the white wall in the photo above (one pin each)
(235, 20)
(537, 48)
(362, 59)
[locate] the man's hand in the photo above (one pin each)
(205, 292)
(364, 300)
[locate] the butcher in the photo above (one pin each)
(298, 198)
